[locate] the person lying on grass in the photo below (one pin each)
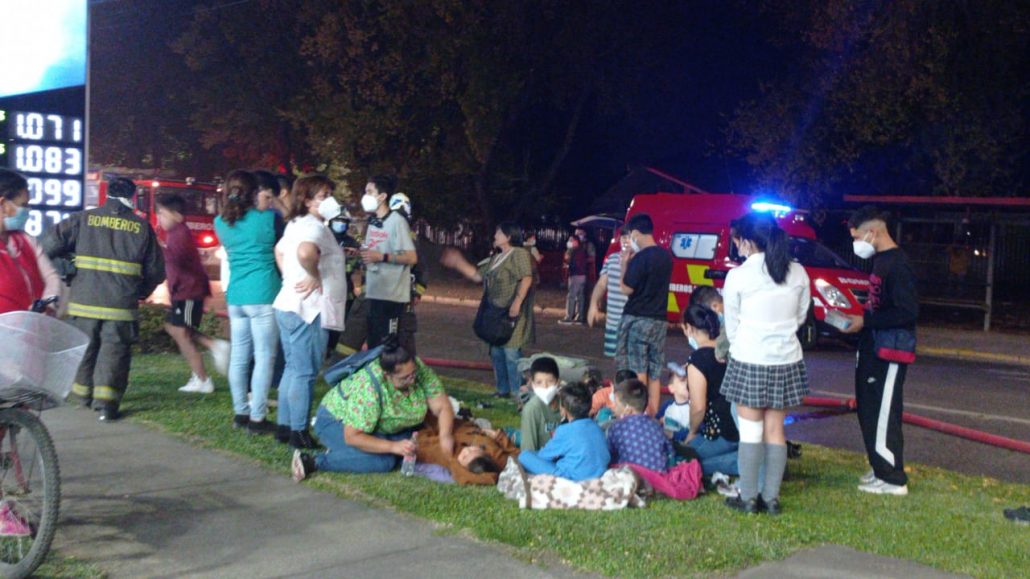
(635, 437)
(366, 421)
(578, 451)
(479, 454)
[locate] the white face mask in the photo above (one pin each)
(692, 342)
(570, 245)
(863, 248)
(369, 203)
(329, 208)
(546, 394)
(633, 245)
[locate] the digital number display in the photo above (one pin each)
(48, 149)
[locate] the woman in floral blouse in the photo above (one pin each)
(366, 422)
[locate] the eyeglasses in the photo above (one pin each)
(407, 378)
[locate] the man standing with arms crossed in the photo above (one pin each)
(118, 262)
(892, 307)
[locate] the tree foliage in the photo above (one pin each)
(903, 97)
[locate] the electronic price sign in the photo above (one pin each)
(49, 150)
(43, 126)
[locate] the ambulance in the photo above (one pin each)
(696, 229)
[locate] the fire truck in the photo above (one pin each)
(696, 229)
(203, 202)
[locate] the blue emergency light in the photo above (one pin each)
(771, 207)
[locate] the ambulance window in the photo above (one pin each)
(694, 245)
(810, 253)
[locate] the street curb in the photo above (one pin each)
(467, 303)
(973, 355)
(951, 353)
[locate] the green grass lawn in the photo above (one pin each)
(950, 521)
(58, 567)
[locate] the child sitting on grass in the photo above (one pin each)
(578, 450)
(603, 403)
(540, 416)
(674, 414)
(635, 437)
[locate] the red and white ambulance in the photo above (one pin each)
(696, 229)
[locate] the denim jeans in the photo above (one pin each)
(304, 347)
(575, 301)
(506, 369)
(719, 455)
(255, 337)
(341, 457)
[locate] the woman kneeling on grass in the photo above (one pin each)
(366, 421)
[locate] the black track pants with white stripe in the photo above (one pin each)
(879, 388)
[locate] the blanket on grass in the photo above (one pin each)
(618, 488)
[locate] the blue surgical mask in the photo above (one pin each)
(722, 319)
(17, 221)
(692, 342)
(339, 227)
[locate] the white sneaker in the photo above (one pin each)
(199, 387)
(220, 356)
(189, 386)
(879, 487)
(867, 478)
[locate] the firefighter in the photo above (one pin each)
(118, 262)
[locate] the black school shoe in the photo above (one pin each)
(771, 507)
(240, 421)
(259, 427)
(1020, 516)
(301, 440)
(738, 504)
(109, 413)
(282, 434)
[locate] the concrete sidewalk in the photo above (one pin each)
(140, 503)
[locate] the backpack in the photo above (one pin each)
(353, 364)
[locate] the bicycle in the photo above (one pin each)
(38, 359)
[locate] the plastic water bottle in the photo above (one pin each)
(408, 463)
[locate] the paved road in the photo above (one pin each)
(988, 397)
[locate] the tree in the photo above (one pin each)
(246, 72)
(910, 96)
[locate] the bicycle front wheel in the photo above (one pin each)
(30, 492)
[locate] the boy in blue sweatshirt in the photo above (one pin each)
(578, 450)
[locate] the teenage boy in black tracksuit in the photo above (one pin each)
(892, 304)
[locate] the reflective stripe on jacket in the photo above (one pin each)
(117, 259)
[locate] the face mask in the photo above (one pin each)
(546, 394)
(339, 227)
(329, 208)
(633, 245)
(570, 245)
(722, 319)
(17, 221)
(692, 342)
(530, 243)
(369, 203)
(863, 249)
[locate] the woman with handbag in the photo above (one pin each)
(505, 317)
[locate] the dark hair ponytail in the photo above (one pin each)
(393, 355)
(238, 195)
(762, 230)
(702, 318)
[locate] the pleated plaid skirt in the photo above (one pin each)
(757, 386)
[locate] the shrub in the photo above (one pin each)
(152, 335)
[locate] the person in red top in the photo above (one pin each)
(26, 274)
(188, 285)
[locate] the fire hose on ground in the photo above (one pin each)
(848, 404)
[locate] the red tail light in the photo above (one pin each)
(207, 240)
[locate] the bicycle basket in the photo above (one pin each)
(39, 357)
